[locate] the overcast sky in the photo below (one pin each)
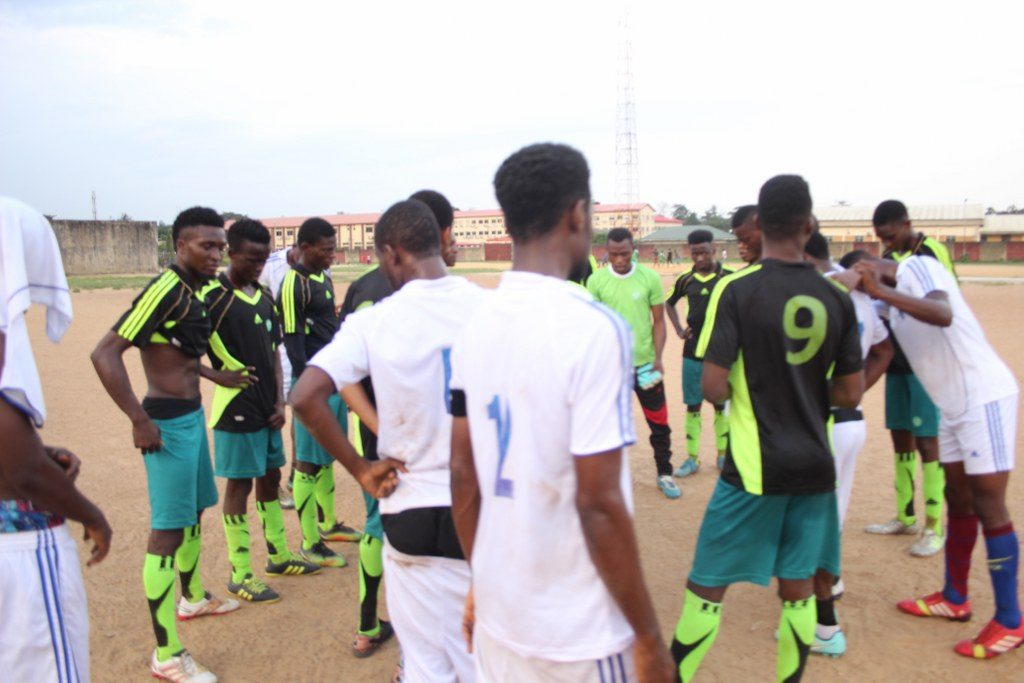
(271, 108)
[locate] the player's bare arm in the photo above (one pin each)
(933, 309)
(232, 379)
(660, 334)
(879, 356)
(465, 486)
(673, 317)
(846, 391)
(608, 529)
(108, 359)
(358, 402)
(714, 383)
(309, 401)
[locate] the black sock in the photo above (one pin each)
(826, 612)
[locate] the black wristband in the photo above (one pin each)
(458, 403)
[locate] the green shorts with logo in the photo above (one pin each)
(247, 455)
(752, 538)
(692, 372)
(306, 447)
(179, 475)
(908, 406)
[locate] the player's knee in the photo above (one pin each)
(237, 487)
(792, 590)
(164, 542)
(991, 511)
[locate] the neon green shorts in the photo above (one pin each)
(247, 455)
(179, 475)
(908, 406)
(752, 538)
(306, 447)
(692, 372)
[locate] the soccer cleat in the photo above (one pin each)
(720, 463)
(253, 590)
(340, 532)
(181, 669)
(893, 527)
(928, 544)
(209, 606)
(935, 605)
(668, 487)
(829, 647)
(322, 556)
(364, 646)
(293, 566)
(994, 640)
(689, 466)
(284, 496)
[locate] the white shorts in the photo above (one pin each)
(44, 620)
(982, 438)
(426, 600)
(496, 663)
(847, 441)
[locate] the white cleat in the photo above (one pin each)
(210, 605)
(181, 669)
(893, 527)
(930, 543)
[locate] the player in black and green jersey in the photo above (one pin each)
(310, 319)
(247, 421)
(910, 414)
(696, 285)
(780, 341)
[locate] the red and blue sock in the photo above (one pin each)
(962, 532)
(1003, 559)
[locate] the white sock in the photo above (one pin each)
(825, 632)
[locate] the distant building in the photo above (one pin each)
(677, 234)
(944, 222)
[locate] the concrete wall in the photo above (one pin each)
(102, 247)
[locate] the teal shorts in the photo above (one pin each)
(247, 455)
(692, 372)
(179, 475)
(908, 407)
(752, 538)
(374, 526)
(306, 447)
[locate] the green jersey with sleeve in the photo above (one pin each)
(631, 296)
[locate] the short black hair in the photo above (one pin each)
(439, 204)
(313, 230)
(700, 237)
(411, 225)
(783, 205)
(742, 214)
(817, 246)
(889, 211)
(619, 235)
(194, 217)
(536, 185)
(247, 229)
(853, 257)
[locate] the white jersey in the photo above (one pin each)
(274, 270)
(548, 376)
(404, 343)
(956, 365)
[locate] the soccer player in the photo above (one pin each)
(39, 567)
(781, 342)
(747, 232)
(405, 341)
(169, 324)
(978, 397)
(247, 421)
(696, 285)
(540, 487)
(307, 306)
(634, 291)
(849, 432)
(911, 415)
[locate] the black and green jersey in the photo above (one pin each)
(245, 332)
(783, 330)
(697, 288)
(167, 311)
(922, 246)
(308, 314)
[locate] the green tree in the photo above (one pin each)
(682, 213)
(714, 219)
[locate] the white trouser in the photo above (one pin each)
(847, 441)
(44, 620)
(426, 599)
(496, 663)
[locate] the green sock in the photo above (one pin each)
(158, 581)
(304, 491)
(695, 634)
(906, 464)
(796, 631)
(325, 497)
(273, 530)
(693, 434)
(721, 431)
(934, 484)
(187, 559)
(236, 533)
(371, 568)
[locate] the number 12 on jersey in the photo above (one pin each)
(503, 423)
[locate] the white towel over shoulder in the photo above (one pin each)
(31, 271)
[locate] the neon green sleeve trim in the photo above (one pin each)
(288, 303)
(146, 306)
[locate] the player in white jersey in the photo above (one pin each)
(849, 432)
(541, 384)
(977, 396)
(403, 343)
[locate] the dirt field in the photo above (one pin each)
(306, 636)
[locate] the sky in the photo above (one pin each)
(315, 107)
